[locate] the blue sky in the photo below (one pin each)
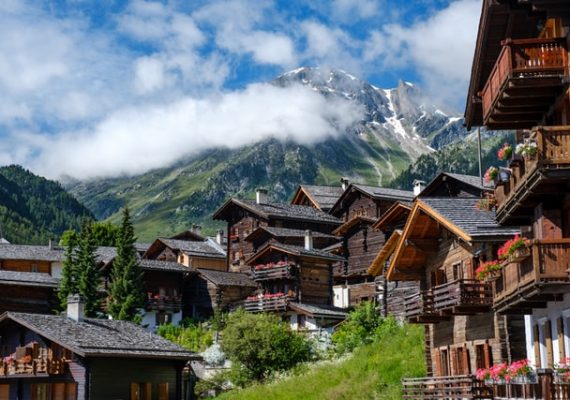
(95, 88)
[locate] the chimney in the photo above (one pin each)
(261, 196)
(75, 308)
(308, 240)
(197, 229)
(50, 244)
(344, 182)
(418, 186)
(220, 237)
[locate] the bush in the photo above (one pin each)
(359, 328)
(194, 336)
(261, 344)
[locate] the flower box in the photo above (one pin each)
(527, 379)
(561, 377)
(492, 276)
(519, 255)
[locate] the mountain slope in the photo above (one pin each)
(397, 127)
(34, 209)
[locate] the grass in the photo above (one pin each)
(373, 372)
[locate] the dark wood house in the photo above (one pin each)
(359, 208)
(442, 243)
(447, 184)
(245, 216)
(48, 357)
(520, 81)
(195, 253)
(295, 281)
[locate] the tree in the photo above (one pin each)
(262, 343)
(126, 294)
(104, 234)
(88, 275)
(68, 284)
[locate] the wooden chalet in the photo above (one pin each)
(245, 216)
(442, 243)
(359, 208)
(199, 253)
(447, 184)
(295, 237)
(49, 357)
(295, 281)
(520, 81)
(207, 291)
(320, 197)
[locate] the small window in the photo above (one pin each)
(34, 268)
(458, 271)
(163, 391)
(301, 321)
(141, 391)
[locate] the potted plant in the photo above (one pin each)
(487, 203)
(527, 149)
(515, 250)
(520, 372)
(489, 271)
(562, 371)
(505, 152)
(491, 174)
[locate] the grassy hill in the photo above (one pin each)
(373, 372)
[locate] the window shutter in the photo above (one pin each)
(4, 392)
(148, 391)
(135, 391)
(71, 391)
(466, 363)
(163, 391)
(454, 364)
(548, 340)
(536, 347)
(561, 342)
(58, 391)
(487, 354)
(437, 357)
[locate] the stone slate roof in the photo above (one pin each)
(222, 278)
(325, 196)
(286, 232)
(36, 279)
(471, 180)
(142, 247)
(464, 213)
(193, 248)
(100, 337)
(29, 252)
(167, 266)
(278, 210)
(385, 193)
(319, 310)
(105, 254)
(298, 251)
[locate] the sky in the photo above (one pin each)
(102, 88)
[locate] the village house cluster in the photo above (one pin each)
(482, 265)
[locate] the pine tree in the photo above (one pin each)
(69, 279)
(88, 275)
(126, 295)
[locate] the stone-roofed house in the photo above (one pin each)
(204, 253)
(319, 197)
(359, 207)
(245, 216)
(74, 358)
(448, 184)
(295, 237)
(295, 281)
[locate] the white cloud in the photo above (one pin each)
(136, 139)
(349, 10)
(440, 48)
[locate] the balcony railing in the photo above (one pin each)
(527, 72)
(446, 387)
(28, 366)
(464, 296)
(274, 272)
(544, 272)
(172, 304)
(528, 173)
(419, 308)
(266, 304)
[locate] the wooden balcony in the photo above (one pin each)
(463, 297)
(445, 387)
(419, 308)
(535, 280)
(273, 304)
(164, 303)
(31, 367)
(526, 79)
(534, 178)
(273, 273)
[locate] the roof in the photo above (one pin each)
(384, 254)
(296, 251)
(36, 279)
(142, 247)
(278, 210)
(397, 211)
(100, 337)
(323, 197)
(30, 252)
(223, 278)
(193, 248)
(318, 310)
(106, 254)
(469, 180)
(344, 228)
(374, 192)
(285, 233)
(166, 266)
(465, 215)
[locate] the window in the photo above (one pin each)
(458, 271)
(53, 391)
(444, 362)
(483, 356)
(301, 321)
(163, 391)
(163, 318)
(34, 268)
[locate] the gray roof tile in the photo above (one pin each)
(222, 278)
(29, 252)
(193, 248)
(36, 279)
(290, 211)
(325, 196)
(167, 266)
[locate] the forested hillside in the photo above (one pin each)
(34, 209)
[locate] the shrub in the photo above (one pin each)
(194, 337)
(261, 344)
(359, 328)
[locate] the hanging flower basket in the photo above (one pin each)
(488, 270)
(492, 276)
(505, 152)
